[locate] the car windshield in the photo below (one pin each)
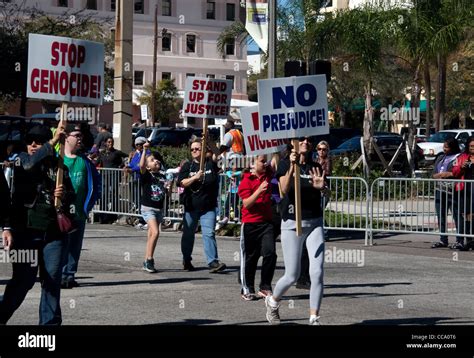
(441, 137)
(353, 143)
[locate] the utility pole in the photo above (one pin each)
(123, 79)
(153, 84)
(272, 31)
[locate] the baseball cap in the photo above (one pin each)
(140, 140)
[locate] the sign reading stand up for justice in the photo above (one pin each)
(64, 69)
(207, 97)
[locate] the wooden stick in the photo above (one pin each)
(204, 144)
(60, 173)
(296, 145)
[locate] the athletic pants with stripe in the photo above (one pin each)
(256, 239)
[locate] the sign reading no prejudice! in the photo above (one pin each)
(293, 107)
(254, 145)
(64, 69)
(207, 97)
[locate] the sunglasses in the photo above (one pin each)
(37, 140)
(195, 149)
(302, 139)
(76, 135)
(323, 149)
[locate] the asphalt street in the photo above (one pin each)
(398, 281)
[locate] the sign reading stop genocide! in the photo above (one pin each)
(207, 97)
(64, 69)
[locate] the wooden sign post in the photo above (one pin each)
(202, 165)
(60, 173)
(296, 145)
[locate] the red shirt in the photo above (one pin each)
(261, 210)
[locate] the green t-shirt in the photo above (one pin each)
(78, 173)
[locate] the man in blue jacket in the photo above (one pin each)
(86, 181)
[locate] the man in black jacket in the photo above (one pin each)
(35, 228)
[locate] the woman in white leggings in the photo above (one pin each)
(312, 182)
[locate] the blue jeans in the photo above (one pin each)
(51, 257)
(208, 222)
(443, 203)
(74, 247)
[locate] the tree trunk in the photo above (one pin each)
(368, 122)
(414, 109)
(440, 92)
(342, 118)
(427, 80)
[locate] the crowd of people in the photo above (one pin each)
(56, 179)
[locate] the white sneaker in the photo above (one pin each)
(314, 321)
(273, 316)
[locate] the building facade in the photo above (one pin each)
(187, 31)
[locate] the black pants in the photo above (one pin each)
(257, 240)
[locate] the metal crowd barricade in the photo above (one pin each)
(347, 207)
(120, 193)
(229, 204)
(428, 206)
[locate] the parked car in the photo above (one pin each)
(434, 145)
(420, 134)
(336, 136)
(388, 144)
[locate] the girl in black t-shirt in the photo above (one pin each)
(312, 182)
(153, 183)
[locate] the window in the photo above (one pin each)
(63, 3)
(166, 76)
(230, 47)
(139, 7)
(190, 75)
(230, 12)
(112, 5)
(211, 10)
(190, 43)
(231, 77)
(138, 78)
(211, 76)
(91, 5)
(166, 8)
(325, 3)
(166, 42)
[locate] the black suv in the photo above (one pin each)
(336, 136)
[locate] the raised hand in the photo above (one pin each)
(317, 178)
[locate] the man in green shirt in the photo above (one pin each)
(86, 182)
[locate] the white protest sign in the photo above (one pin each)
(144, 111)
(256, 23)
(293, 107)
(255, 145)
(64, 69)
(207, 97)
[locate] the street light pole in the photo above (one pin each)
(153, 85)
(272, 30)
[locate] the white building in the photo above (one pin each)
(188, 31)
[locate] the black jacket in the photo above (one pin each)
(5, 202)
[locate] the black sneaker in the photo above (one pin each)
(303, 285)
(217, 266)
(188, 266)
(68, 284)
(438, 245)
(149, 266)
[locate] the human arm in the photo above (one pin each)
(183, 178)
(142, 164)
(5, 214)
(285, 180)
(248, 198)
